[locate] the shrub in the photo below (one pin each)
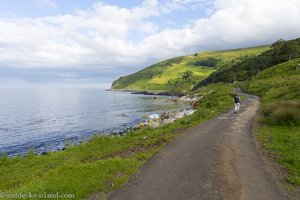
(209, 62)
(282, 113)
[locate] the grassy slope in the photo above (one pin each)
(156, 76)
(279, 52)
(279, 88)
(105, 163)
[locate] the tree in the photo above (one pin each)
(209, 62)
(278, 43)
(187, 76)
(291, 51)
(183, 84)
(228, 77)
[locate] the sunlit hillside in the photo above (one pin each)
(157, 76)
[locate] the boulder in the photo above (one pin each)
(189, 112)
(154, 124)
(168, 121)
(154, 116)
(179, 115)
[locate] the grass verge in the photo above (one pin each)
(105, 163)
(280, 114)
(283, 141)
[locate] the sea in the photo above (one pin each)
(47, 119)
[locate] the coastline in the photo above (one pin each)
(161, 118)
(107, 161)
(148, 92)
(153, 121)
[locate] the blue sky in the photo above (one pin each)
(44, 8)
(89, 43)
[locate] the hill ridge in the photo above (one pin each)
(202, 64)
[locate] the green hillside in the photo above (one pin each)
(159, 76)
(280, 51)
(279, 87)
(280, 82)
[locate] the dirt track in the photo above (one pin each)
(214, 160)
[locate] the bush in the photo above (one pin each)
(282, 113)
(209, 62)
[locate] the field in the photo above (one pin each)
(176, 70)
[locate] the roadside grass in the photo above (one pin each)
(104, 163)
(280, 114)
(284, 142)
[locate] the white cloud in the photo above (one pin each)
(104, 37)
(234, 23)
(173, 5)
(245, 22)
(68, 75)
(47, 3)
(94, 37)
(73, 83)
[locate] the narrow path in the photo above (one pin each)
(214, 160)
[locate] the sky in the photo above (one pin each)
(90, 43)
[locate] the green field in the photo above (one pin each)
(279, 88)
(105, 163)
(157, 76)
(176, 70)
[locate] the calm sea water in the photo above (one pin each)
(44, 119)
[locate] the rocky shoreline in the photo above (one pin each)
(152, 121)
(157, 120)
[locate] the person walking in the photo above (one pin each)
(237, 103)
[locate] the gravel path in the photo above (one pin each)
(214, 160)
